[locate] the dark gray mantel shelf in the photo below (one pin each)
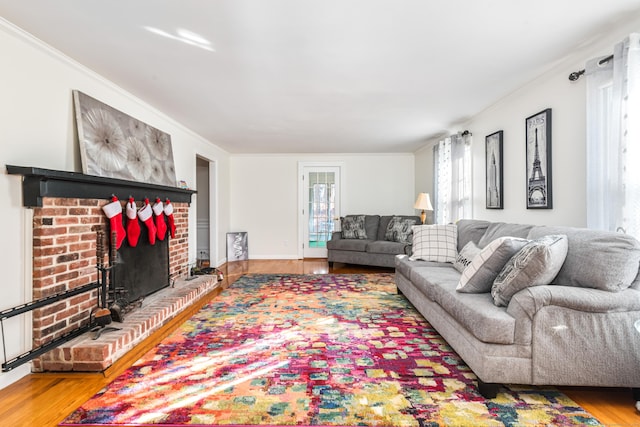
(38, 183)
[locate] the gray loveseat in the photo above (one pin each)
(371, 239)
(579, 330)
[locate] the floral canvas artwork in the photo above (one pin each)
(115, 145)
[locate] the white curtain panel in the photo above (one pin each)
(613, 140)
(442, 178)
(452, 176)
(461, 177)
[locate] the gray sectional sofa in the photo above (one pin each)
(372, 240)
(579, 330)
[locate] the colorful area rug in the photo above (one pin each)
(313, 350)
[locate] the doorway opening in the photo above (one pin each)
(204, 198)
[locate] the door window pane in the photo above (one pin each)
(321, 207)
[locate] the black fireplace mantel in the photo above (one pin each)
(38, 183)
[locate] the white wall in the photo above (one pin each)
(567, 101)
(264, 195)
(38, 129)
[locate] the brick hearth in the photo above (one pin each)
(86, 354)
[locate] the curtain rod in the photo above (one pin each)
(576, 74)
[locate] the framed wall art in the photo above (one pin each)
(494, 170)
(538, 158)
(115, 145)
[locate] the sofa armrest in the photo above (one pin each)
(533, 299)
(574, 302)
(579, 336)
(336, 235)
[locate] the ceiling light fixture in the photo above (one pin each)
(184, 36)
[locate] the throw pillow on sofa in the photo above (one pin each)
(478, 277)
(466, 256)
(434, 243)
(353, 227)
(399, 230)
(613, 269)
(537, 263)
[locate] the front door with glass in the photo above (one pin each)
(321, 187)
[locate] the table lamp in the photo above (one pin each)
(423, 202)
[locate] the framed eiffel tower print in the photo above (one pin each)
(538, 148)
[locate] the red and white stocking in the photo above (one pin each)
(168, 211)
(161, 225)
(146, 215)
(113, 211)
(133, 226)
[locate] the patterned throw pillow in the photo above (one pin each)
(435, 243)
(399, 230)
(537, 263)
(466, 256)
(478, 277)
(353, 227)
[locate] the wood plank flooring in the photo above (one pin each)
(44, 400)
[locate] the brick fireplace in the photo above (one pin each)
(67, 214)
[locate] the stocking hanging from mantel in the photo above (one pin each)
(133, 226)
(146, 215)
(113, 211)
(161, 225)
(168, 211)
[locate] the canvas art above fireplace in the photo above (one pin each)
(115, 145)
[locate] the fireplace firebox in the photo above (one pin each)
(141, 270)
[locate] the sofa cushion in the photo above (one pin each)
(358, 245)
(435, 243)
(353, 227)
(405, 266)
(501, 229)
(371, 224)
(476, 312)
(382, 226)
(479, 275)
(399, 230)
(429, 279)
(384, 247)
(595, 259)
(470, 230)
(537, 263)
(465, 256)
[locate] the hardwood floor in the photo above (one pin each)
(44, 400)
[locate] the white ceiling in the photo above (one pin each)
(318, 76)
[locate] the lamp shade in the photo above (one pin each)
(423, 202)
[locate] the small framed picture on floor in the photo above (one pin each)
(237, 246)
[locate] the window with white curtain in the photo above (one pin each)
(613, 139)
(452, 178)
